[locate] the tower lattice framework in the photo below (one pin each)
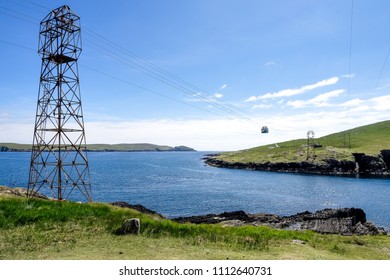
(59, 159)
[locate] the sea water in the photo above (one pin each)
(180, 184)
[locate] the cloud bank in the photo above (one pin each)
(295, 91)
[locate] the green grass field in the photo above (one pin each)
(43, 229)
(369, 139)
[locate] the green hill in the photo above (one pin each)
(339, 147)
(138, 147)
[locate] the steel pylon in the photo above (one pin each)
(59, 157)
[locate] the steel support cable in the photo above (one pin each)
(38, 5)
(195, 94)
(30, 5)
(162, 79)
(18, 17)
(213, 102)
(350, 51)
(17, 45)
(126, 82)
(382, 69)
(18, 13)
(210, 97)
(148, 90)
(159, 77)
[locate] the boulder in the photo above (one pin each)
(130, 226)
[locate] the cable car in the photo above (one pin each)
(264, 129)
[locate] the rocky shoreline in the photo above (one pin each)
(363, 164)
(344, 221)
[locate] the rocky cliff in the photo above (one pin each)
(363, 164)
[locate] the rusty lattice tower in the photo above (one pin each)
(58, 159)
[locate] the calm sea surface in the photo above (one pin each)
(180, 184)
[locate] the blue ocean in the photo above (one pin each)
(180, 184)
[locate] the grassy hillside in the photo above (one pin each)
(129, 147)
(14, 146)
(369, 139)
(43, 229)
(105, 147)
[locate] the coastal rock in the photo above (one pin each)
(20, 192)
(344, 221)
(215, 219)
(363, 164)
(370, 165)
(138, 207)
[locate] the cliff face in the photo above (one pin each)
(363, 164)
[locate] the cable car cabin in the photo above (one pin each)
(264, 129)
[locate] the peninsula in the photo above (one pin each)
(137, 147)
(363, 150)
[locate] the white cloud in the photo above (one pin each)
(250, 99)
(223, 86)
(4, 117)
(381, 103)
(292, 92)
(348, 76)
(270, 63)
(318, 101)
(262, 106)
(218, 95)
(224, 133)
(352, 103)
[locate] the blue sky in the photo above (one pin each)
(224, 69)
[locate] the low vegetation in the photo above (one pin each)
(369, 139)
(45, 229)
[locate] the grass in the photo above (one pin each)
(42, 229)
(369, 139)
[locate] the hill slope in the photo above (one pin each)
(138, 147)
(336, 153)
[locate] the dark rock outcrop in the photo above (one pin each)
(138, 207)
(345, 221)
(370, 165)
(328, 167)
(363, 164)
(215, 218)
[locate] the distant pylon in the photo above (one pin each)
(58, 158)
